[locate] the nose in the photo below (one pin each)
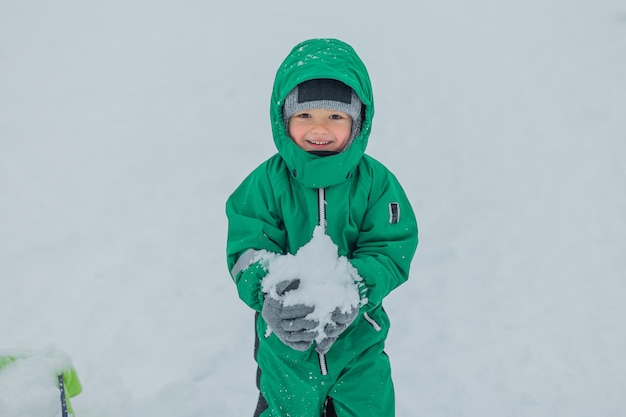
(320, 125)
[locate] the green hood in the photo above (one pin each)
(321, 58)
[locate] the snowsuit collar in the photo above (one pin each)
(321, 58)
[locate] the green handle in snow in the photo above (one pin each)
(68, 380)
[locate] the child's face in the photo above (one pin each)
(320, 129)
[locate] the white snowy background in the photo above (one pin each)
(124, 126)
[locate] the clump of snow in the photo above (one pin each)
(327, 281)
(29, 384)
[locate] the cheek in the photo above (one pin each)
(296, 131)
(343, 132)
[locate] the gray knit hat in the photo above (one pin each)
(323, 93)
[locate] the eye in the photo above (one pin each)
(302, 115)
(336, 116)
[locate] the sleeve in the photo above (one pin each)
(253, 225)
(387, 241)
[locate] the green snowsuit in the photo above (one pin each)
(369, 218)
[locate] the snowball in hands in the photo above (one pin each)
(328, 282)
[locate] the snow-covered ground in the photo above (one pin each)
(124, 126)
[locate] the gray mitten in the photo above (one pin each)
(289, 322)
(341, 321)
(324, 345)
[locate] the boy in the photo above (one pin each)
(321, 112)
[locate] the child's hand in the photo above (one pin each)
(341, 319)
(289, 322)
(340, 322)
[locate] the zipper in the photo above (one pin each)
(323, 367)
(321, 207)
(321, 211)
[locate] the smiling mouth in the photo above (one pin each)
(319, 142)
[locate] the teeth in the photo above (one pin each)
(319, 143)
